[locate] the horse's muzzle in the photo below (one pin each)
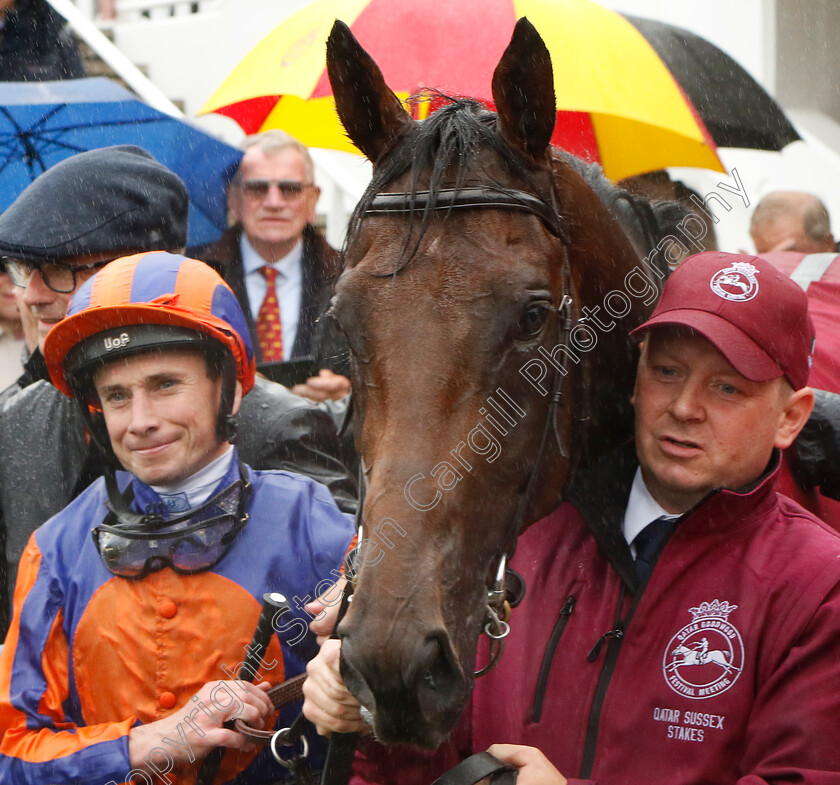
(415, 690)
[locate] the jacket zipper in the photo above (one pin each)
(617, 634)
(612, 638)
(548, 657)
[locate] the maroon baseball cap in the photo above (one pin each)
(754, 315)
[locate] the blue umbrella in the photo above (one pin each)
(41, 123)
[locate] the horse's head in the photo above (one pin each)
(467, 264)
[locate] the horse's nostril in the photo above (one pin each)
(437, 677)
(415, 689)
(434, 663)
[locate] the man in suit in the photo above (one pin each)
(280, 268)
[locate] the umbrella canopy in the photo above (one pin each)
(618, 103)
(736, 109)
(41, 123)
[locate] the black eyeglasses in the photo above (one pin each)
(57, 276)
(290, 189)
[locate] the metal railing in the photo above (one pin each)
(138, 10)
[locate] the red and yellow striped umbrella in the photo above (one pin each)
(617, 102)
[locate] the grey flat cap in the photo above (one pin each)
(109, 200)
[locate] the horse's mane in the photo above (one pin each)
(644, 221)
(442, 150)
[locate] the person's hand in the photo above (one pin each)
(534, 768)
(327, 703)
(324, 610)
(787, 244)
(323, 387)
(190, 733)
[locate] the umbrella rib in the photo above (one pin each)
(31, 154)
(8, 115)
(45, 134)
(104, 124)
(48, 116)
(64, 145)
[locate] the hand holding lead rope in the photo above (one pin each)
(272, 604)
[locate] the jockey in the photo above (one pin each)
(702, 649)
(136, 604)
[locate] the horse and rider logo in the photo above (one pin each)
(705, 657)
(737, 283)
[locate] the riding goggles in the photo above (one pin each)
(191, 543)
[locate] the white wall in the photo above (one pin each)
(808, 56)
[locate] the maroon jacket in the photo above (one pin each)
(725, 668)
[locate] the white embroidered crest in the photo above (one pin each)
(706, 656)
(737, 283)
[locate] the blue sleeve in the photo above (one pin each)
(40, 743)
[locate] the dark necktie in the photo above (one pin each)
(648, 543)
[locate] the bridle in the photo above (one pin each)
(498, 603)
(498, 598)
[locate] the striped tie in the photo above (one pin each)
(269, 326)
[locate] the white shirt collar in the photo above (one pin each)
(196, 489)
(252, 261)
(642, 509)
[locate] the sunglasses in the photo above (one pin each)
(191, 543)
(289, 189)
(57, 276)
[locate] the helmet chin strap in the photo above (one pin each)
(227, 424)
(95, 426)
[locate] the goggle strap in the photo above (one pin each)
(119, 505)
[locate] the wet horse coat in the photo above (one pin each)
(490, 357)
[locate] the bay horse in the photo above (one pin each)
(487, 296)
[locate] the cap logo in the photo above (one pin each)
(116, 343)
(736, 283)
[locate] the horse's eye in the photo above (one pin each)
(533, 320)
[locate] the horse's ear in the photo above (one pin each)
(370, 113)
(523, 90)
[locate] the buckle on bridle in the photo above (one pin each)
(497, 615)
